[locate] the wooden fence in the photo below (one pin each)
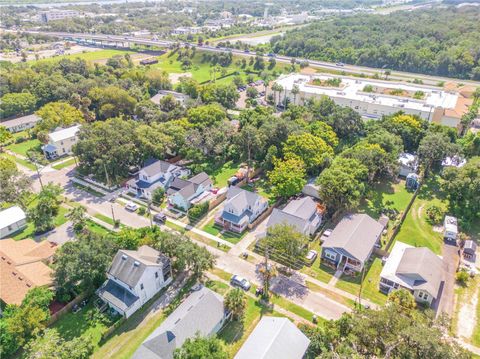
(66, 309)
(264, 215)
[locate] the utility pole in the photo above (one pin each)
(106, 174)
(113, 214)
(361, 287)
(34, 161)
(150, 212)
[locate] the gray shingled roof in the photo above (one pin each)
(20, 121)
(201, 178)
(157, 167)
(274, 338)
(200, 313)
(117, 295)
(297, 213)
(128, 266)
(425, 267)
(241, 199)
(355, 234)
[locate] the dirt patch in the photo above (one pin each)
(467, 315)
(437, 228)
(175, 78)
(308, 71)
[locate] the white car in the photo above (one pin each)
(240, 282)
(311, 256)
(130, 206)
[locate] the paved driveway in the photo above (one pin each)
(450, 260)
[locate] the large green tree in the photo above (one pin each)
(433, 148)
(236, 303)
(312, 150)
(201, 348)
(17, 104)
(287, 177)
(15, 187)
(57, 114)
(111, 101)
(46, 208)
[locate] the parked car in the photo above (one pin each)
(130, 206)
(340, 64)
(160, 217)
(311, 256)
(215, 190)
(240, 282)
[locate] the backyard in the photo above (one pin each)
(371, 281)
(216, 230)
(29, 231)
(220, 175)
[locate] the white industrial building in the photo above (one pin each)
(375, 98)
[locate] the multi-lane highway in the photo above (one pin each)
(349, 69)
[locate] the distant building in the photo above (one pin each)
(375, 98)
(202, 312)
(23, 267)
(134, 278)
(21, 123)
(53, 15)
(60, 142)
(178, 96)
(416, 269)
(187, 30)
(274, 338)
(12, 220)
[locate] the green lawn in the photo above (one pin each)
(20, 161)
(87, 56)
(22, 148)
(261, 188)
(220, 175)
(370, 283)
(64, 164)
(393, 195)
(416, 230)
(83, 324)
(215, 230)
(104, 218)
(29, 231)
(96, 228)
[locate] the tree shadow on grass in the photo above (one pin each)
(232, 332)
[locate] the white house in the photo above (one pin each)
(20, 123)
(408, 163)
(304, 214)
(416, 269)
(450, 228)
(12, 220)
(182, 193)
(241, 209)
(60, 142)
(154, 175)
(134, 278)
(178, 96)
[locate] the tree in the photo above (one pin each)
(17, 104)
(470, 144)
(325, 132)
(168, 103)
(111, 101)
(295, 91)
(403, 298)
(276, 87)
(201, 348)
(38, 297)
(206, 115)
(462, 277)
(50, 345)
(341, 185)
(158, 195)
(15, 187)
(57, 114)
(5, 137)
(410, 128)
(462, 186)
(82, 263)
(46, 208)
(286, 244)
(78, 218)
(235, 303)
(311, 149)
(157, 80)
(287, 177)
(433, 148)
(250, 141)
(252, 92)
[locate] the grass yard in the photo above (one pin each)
(370, 283)
(29, 231)
(22, 148)
(261, 188)
(216, 230)
(393, 195)
(416, 230)
(463, 294)
(220, 175)
(64, 164)
(96, 228)
(87, 56)
(85, 324)
(104, 218)
(19, 161)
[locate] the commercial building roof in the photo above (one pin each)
(414, 268)
(64, 133)
(128, 266)
(11, 215)
(353, 89)
(274, 338)
(22, 267)
(200, 313)
(355, 234)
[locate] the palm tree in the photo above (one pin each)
(235, 303)
(295, 91)
(265, 76)
(77, 216)
(277, 88)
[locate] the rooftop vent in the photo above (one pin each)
(136, 263)
(124, 257)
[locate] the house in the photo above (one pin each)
(416, 269)
(311, 189)
(178, 96)
(201, 313)
(134, 278)
(182, 193)
(470, 250)
(12, 220)
(21, 123)
(450, 228)
(241, 209)
(455, 161)
(23, 267)
(274, 338)
(304, 214)
(351, 242)
(60, 142)
(408, 163)
(155, 174)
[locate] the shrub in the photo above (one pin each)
(158, 195)
(434, 214)
(198, 211)
(141, 211)
(462, 277)
(368, 88)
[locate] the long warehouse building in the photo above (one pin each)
(375, 98)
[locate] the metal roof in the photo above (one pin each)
(64, 133)
(11, 215)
